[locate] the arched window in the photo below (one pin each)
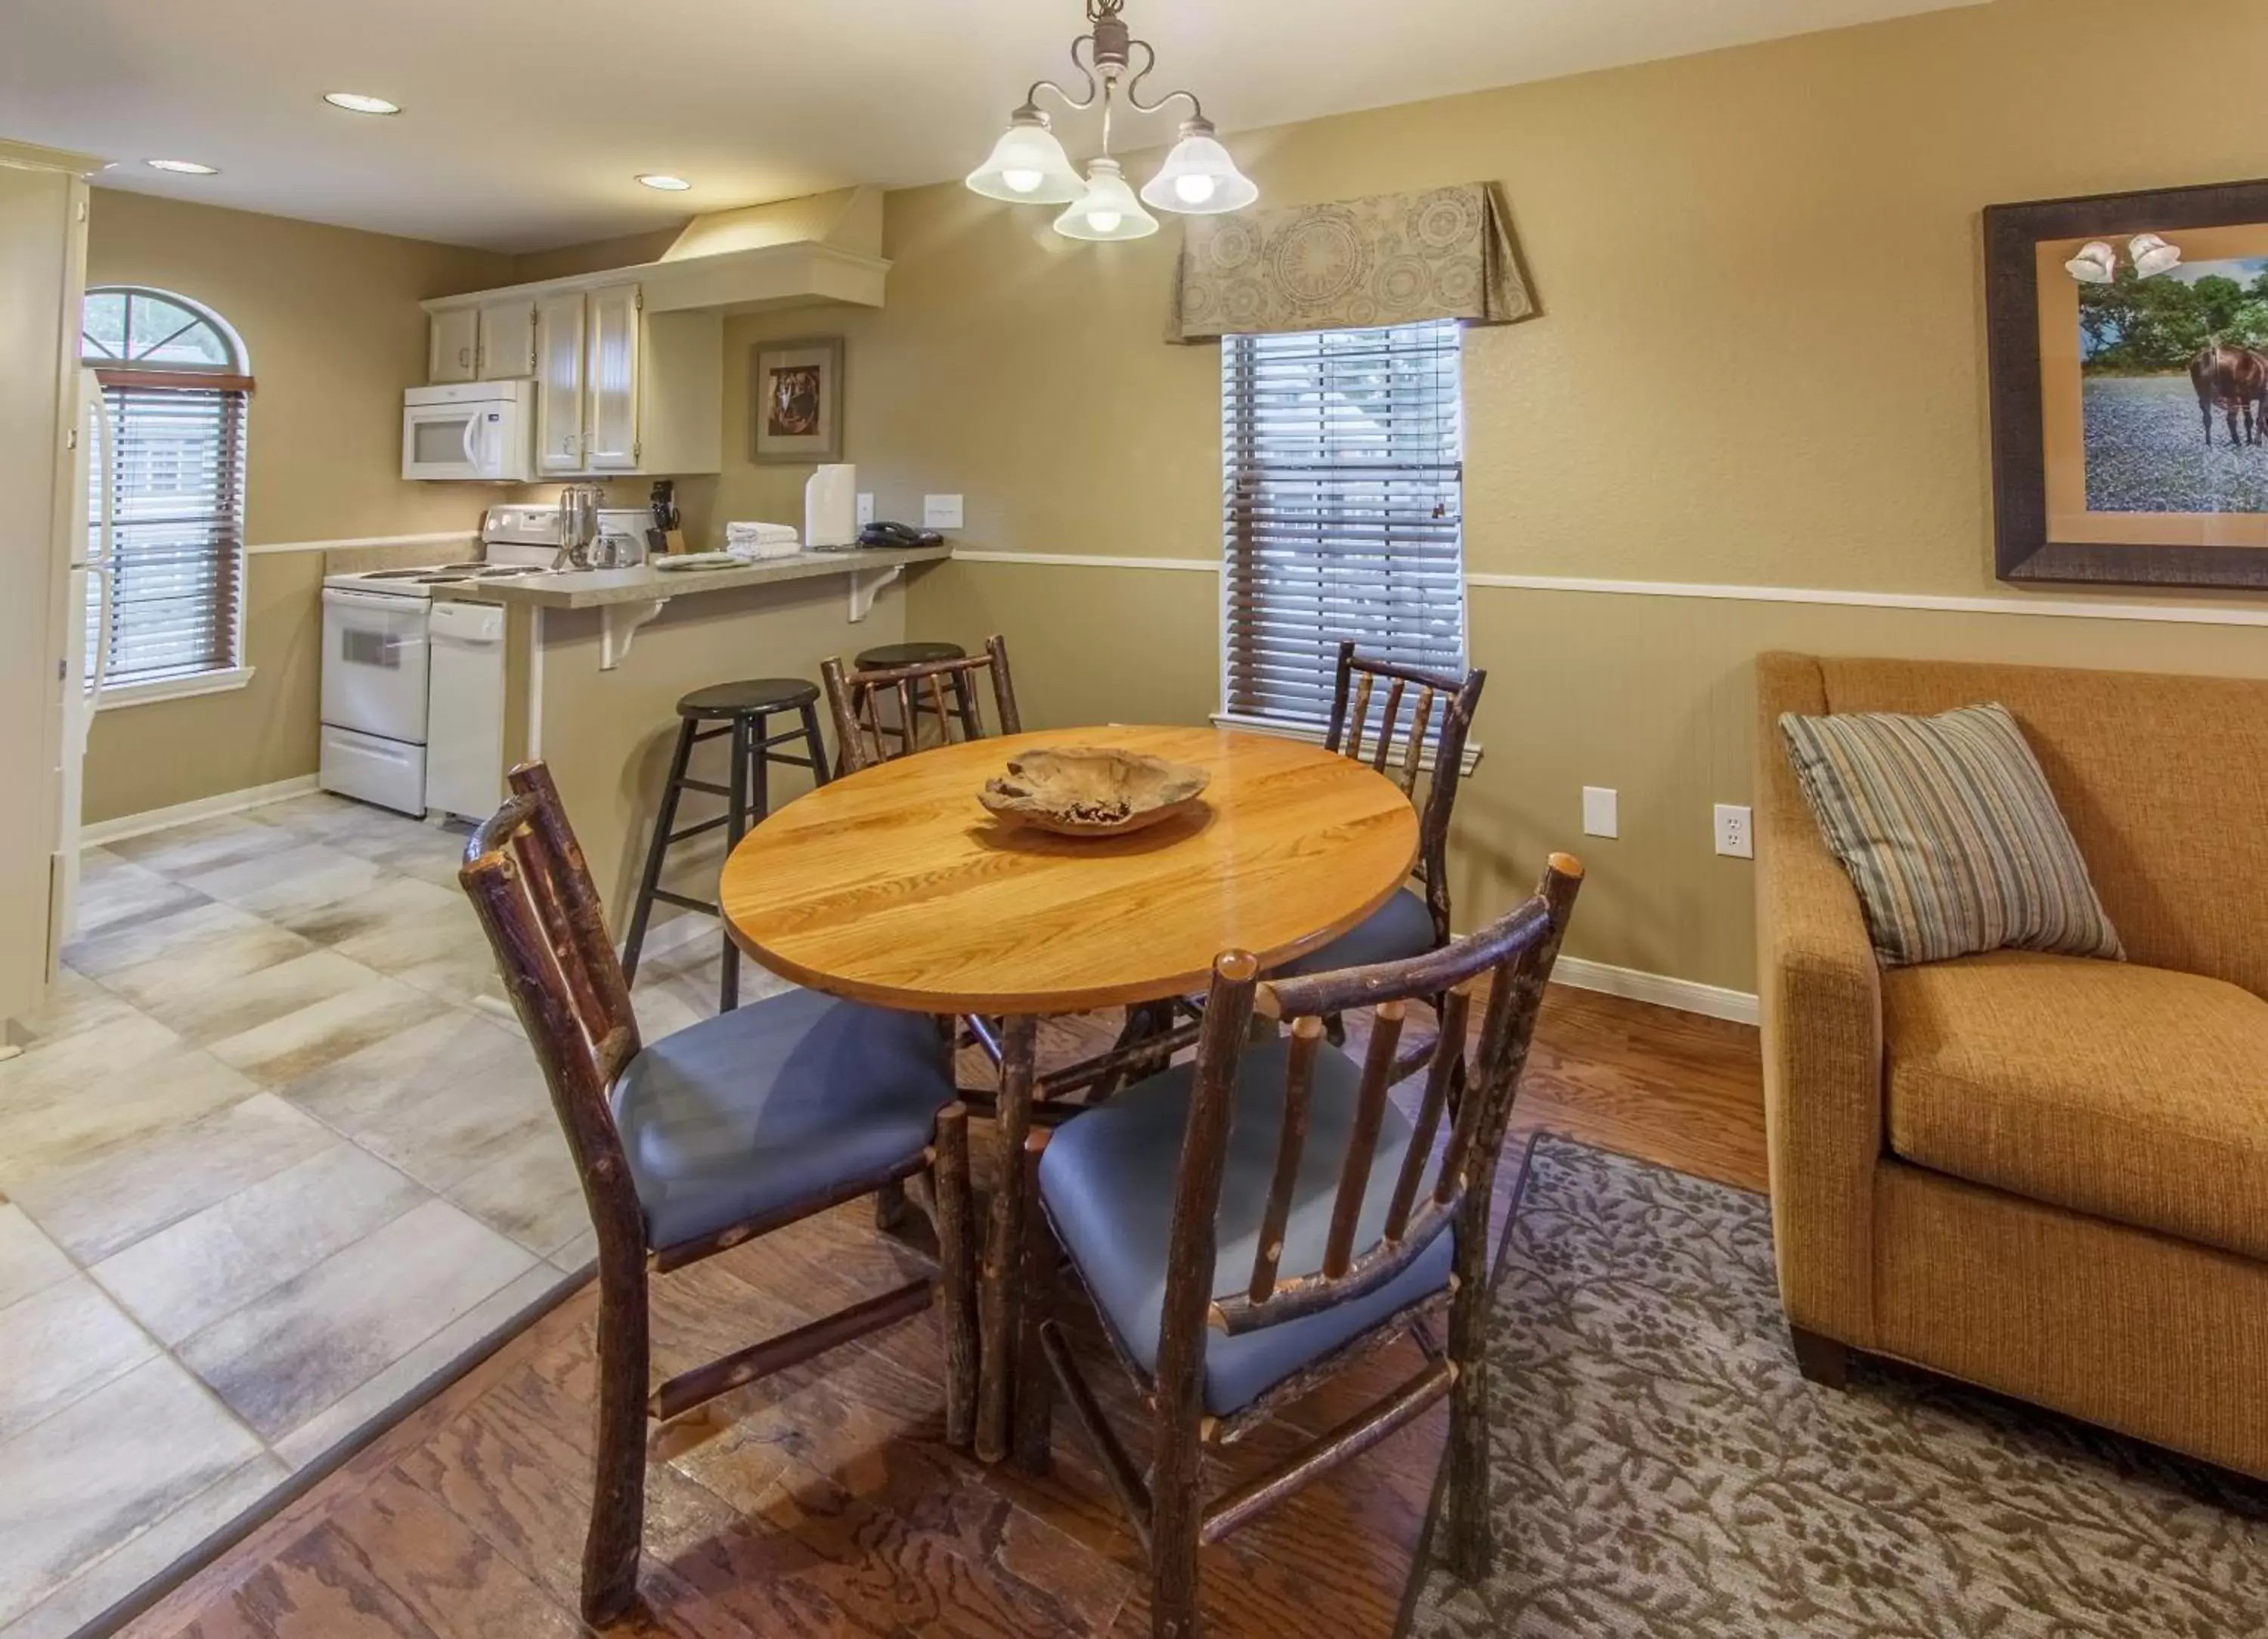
(165, 511)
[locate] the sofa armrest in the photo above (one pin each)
(1821, 991)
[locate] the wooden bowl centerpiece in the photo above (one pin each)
(1092, 790)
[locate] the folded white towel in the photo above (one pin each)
(760, 532)
(743, 547)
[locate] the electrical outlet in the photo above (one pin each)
(1734, 836)
(865, 508)
(940, 512)
(1599, 819)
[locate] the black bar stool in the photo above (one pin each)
(745, 710)
(909, 734)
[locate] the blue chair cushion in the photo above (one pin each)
(1396, 930)
(1109, 1179)
(742, 1113)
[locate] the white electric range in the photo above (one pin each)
(414, 669)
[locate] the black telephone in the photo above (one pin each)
(882, 534)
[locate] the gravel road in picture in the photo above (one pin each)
(2146, 452)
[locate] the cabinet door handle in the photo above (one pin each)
(465, 357)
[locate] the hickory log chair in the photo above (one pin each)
(862, 739)
(1251, 1222)
(1410, 923)
(726, 1130)
(918, 653)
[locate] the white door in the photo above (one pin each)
(559, 383)
(374, 664)
(86, 648)
(452, 355)
(507, 341)
(611, 423)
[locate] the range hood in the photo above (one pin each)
(791, 253)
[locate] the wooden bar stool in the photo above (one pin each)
(890, 657)
(744, 712)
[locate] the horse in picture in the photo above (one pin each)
(2234, 380)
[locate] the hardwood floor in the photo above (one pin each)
(824, 1502)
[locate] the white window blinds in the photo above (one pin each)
(1343, 508)
(173, 459)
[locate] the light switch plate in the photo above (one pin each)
(1599, 815)
(1734, 838)
(940, 512)
(865, 508)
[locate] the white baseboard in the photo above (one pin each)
(1684, 995)
(203, 808)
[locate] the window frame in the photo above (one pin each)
(1314, 732)
(231, 377)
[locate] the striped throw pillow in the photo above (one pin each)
(1951, 834)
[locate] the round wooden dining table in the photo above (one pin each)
(895, 887)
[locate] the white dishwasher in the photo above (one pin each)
(464, 735)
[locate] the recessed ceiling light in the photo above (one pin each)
(355, 102)
(186, 167)
(667, 184)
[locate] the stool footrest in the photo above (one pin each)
(676, 837)
(710, 787)
(687, 903)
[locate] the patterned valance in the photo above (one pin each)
(1394, 259)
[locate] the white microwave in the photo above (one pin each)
(480, 431)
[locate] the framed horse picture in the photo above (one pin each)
(2129, 349)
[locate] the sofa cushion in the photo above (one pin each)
(1949, 832)
(2132, 1093)
(2163, 779)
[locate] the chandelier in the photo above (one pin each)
(1028, 165)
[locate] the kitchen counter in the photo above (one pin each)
(600, 589)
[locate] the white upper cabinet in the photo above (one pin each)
(610, 419)
(507, 339)
(559, 383)
(453, 354)
(619, 389)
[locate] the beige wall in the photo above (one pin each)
(331, 320)
(1761, 361)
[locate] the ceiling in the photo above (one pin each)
(525, 121)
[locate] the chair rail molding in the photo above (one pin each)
(1937, 603)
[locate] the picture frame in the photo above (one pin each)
(795, 400)
(2113, 404)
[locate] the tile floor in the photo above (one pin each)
(276, 1152)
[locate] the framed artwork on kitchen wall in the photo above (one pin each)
(795, 409)
(2128, 348)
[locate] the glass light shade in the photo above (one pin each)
(1199, 177)
(1027, 166)
(2096, 263)
(1108, 209)
(2153, 255)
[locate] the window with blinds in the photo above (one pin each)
(1343, 508)
(171, 461)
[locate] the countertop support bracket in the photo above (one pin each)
(867, 586)
(618, 623)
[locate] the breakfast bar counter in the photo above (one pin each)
(597, 589)
(596, 660)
